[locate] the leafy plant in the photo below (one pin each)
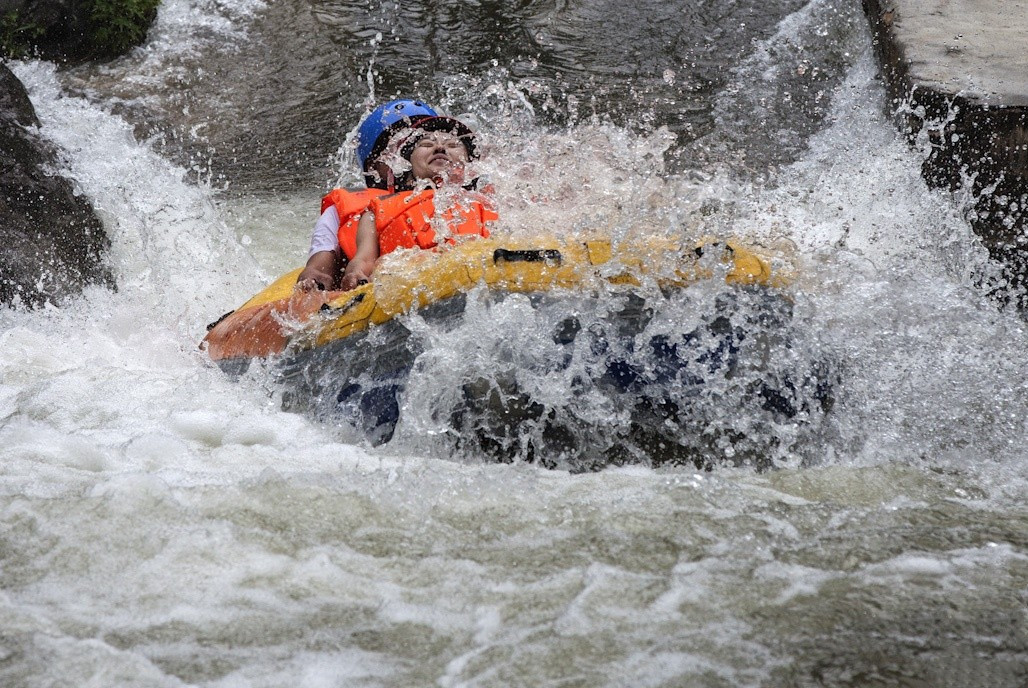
(119, 25)
(16, 36)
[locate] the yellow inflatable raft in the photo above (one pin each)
(280, 316)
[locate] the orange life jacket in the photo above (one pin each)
(403, 220)
(350, 205)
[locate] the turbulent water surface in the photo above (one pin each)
(165, 525)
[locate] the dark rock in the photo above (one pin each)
(14, 101)
(52, 244)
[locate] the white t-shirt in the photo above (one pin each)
(326, 233)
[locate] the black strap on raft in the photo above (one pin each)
(550, 256)
(349, 304)
(699, 250)
(218, 321)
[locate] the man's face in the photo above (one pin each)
(438, 154)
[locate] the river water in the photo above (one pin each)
(164, 525)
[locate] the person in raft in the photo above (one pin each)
(407, 152)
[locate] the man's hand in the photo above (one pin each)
(319, 273)
(355, 276)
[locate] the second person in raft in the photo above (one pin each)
(411, 158)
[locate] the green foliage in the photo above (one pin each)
(17, 36)
(113, 27)
(117, 26)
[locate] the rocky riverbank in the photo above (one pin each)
(957, 71)
(52, 243)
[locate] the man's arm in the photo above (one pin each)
(360, 268)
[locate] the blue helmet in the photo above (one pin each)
(373, 133)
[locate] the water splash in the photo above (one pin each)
(170, 247)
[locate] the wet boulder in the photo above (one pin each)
(52, 244)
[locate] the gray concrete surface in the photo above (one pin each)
(974, 48)
(958, 71)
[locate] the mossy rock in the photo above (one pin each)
(74, 30)
(117, 26)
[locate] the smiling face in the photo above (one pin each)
(438, 155)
